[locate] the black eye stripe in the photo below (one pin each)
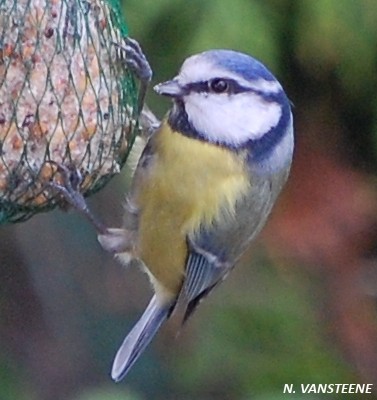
(198, 87)
(233, 88)
(204, 87)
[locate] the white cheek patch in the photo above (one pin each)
(231, 119)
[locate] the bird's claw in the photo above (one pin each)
(136, 61)
(69, 188)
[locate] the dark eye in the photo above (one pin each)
(218, 85)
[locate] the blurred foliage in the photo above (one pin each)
(260, 337)
(340, 37)
(107, 394)
(66, 305)
(9, 387)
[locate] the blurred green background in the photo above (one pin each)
(300, 308)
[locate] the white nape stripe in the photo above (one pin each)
(197, 69)
(232, 120)
(264, 86)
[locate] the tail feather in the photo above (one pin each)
(139, 338)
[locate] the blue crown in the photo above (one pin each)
(247, 67)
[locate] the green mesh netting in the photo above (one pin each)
(66, 98)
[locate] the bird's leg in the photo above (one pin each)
(136, 61)
(69, 187)
(112, 240)
(148, 122)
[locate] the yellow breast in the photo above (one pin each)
(191, 183)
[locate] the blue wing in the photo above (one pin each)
(215, 249)
(202, 275)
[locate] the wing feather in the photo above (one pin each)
(215, 249)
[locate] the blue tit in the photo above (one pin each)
(204, 185)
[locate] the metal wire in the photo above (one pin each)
(66, 98)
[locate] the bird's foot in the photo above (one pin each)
(136, 61)
(67, 182)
